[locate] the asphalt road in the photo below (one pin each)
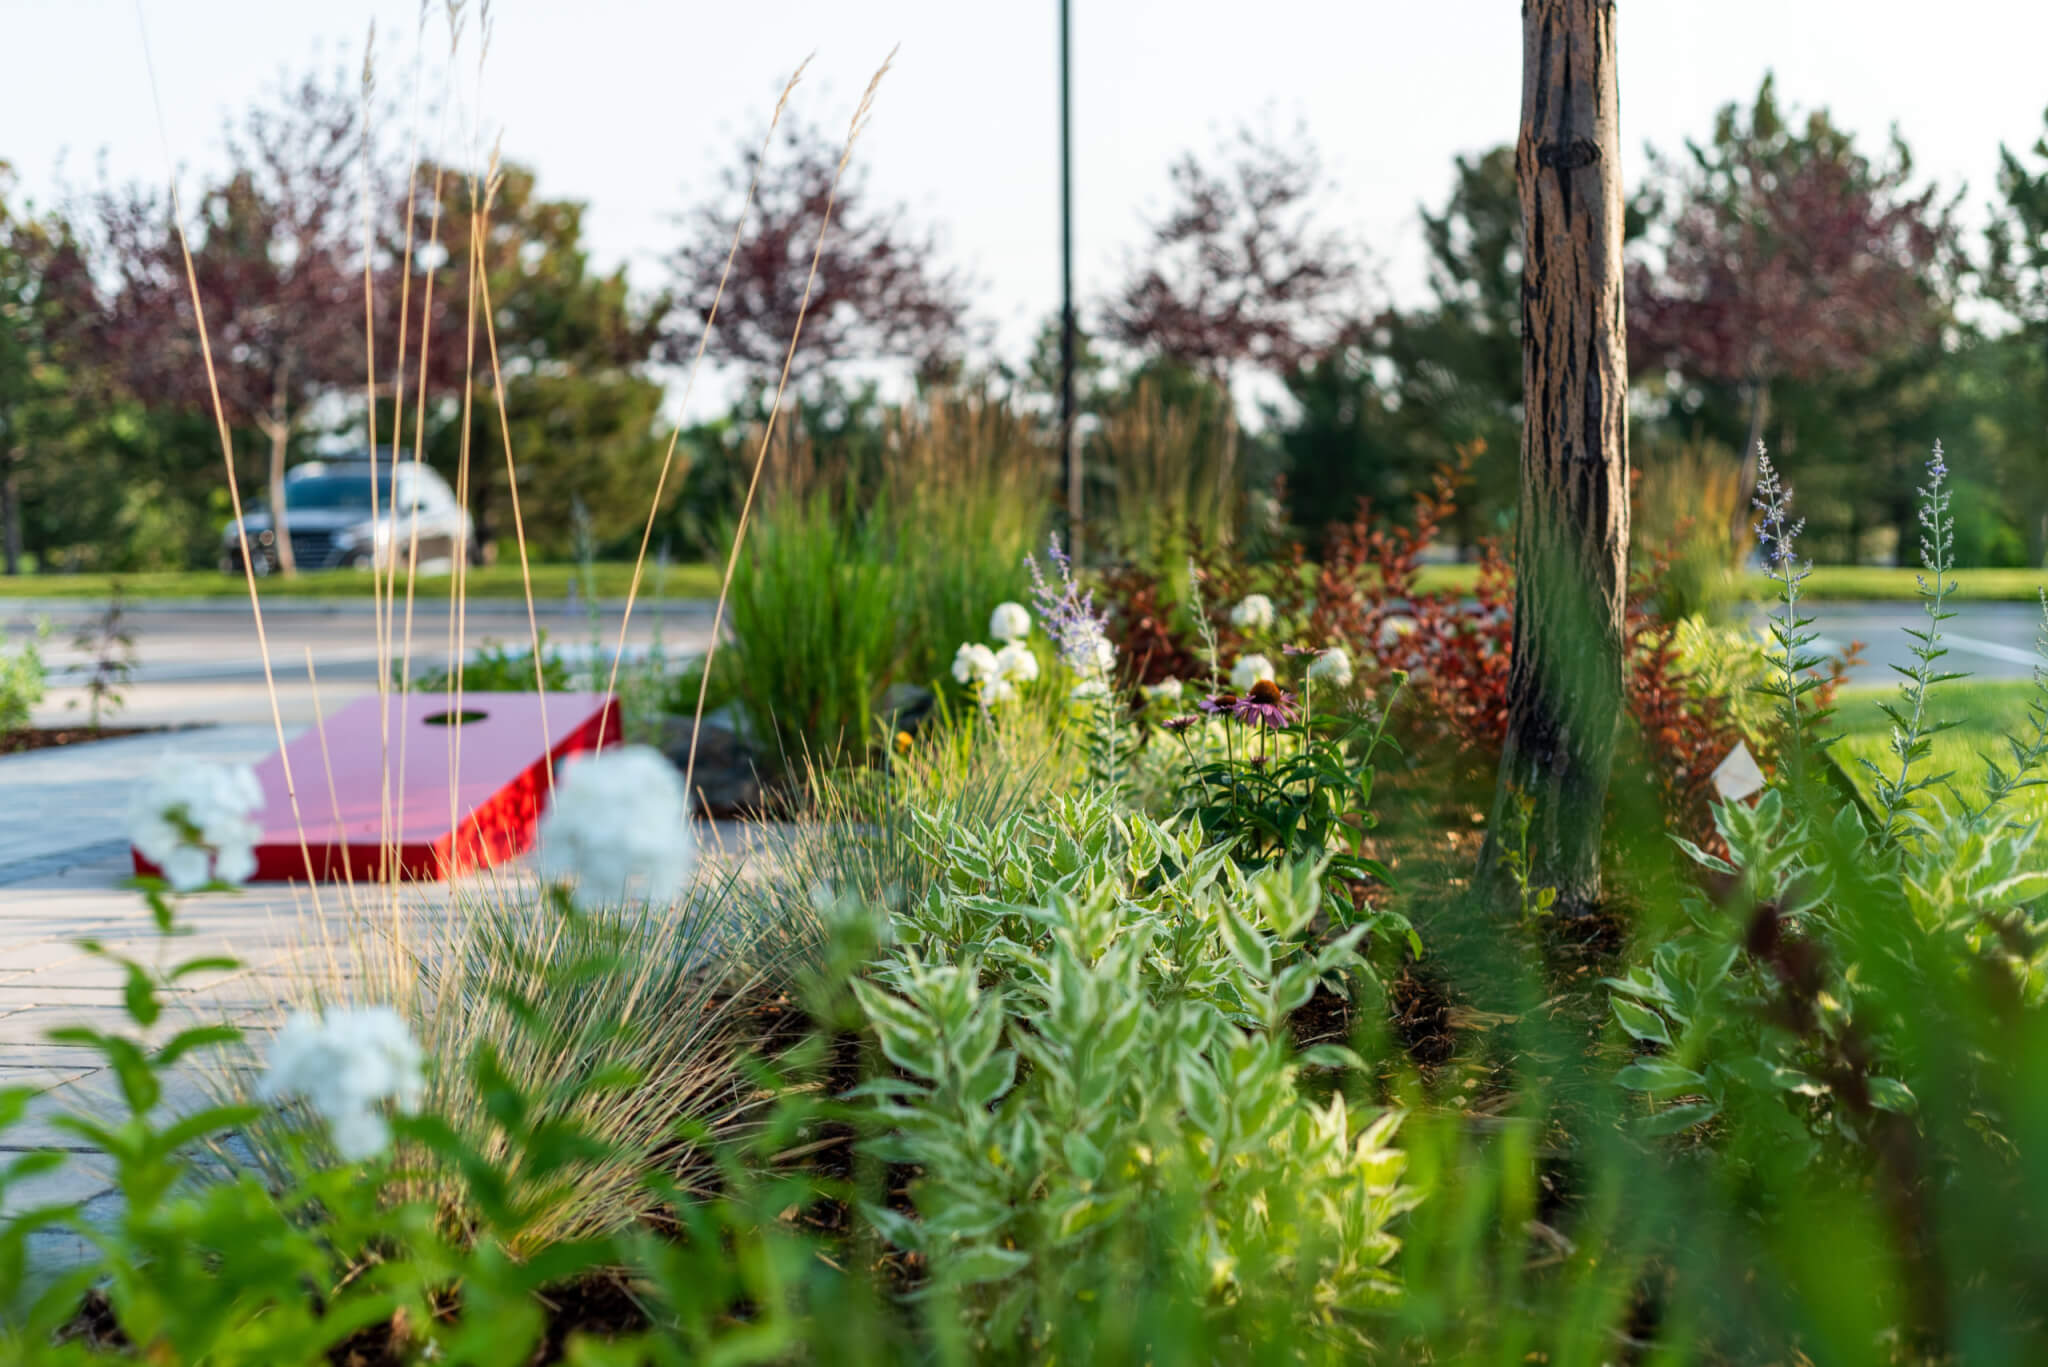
(1989, 640)
(203, 663)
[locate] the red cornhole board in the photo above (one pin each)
(500, 788)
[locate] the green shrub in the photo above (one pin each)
(1089, 1018)
(21, 680)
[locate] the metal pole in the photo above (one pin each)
(1070, 455)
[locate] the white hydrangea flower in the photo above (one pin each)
(346, 1065)
(1090, 688)
(1255, 613)
(1333, 666)
(1016, 664)
(994, 692)
(619, 826)
(1009, 622)
(974, 663)
(194, 821)
(1166, 690)
(1248, 670)
(1394, 628)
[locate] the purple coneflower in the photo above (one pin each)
(1265, 704)
(1217, 702)
(1179, 724)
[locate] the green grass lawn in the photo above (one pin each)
(1986, 711)
(491, 581)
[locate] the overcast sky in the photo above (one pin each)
(632, 104)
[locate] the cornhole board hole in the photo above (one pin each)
(500, 784)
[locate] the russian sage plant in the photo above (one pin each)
(1913, 731)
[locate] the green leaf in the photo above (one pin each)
(992, 1079)
(1247, 945)
(139, 996)
(1656, 1075)
(1640, 1021)
(985, 1263)
(1674, 1119)
(1892, 1095)
(198, 1037)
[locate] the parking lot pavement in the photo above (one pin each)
(1990, 640)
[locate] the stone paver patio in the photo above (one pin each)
(63, 853)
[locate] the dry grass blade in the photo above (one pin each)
(227, 450)
(739, 536)
(690, 381)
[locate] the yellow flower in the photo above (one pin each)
(902, 742)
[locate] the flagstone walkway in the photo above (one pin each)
(63, 854)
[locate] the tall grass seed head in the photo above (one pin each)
(619, 827)
(1009, 622)
(346, 1065)
(195, 821)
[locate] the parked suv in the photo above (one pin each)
(329, 511)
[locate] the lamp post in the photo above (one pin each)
(1070, 456)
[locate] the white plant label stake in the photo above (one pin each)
(1737, 776)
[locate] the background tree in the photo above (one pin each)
(1375, 415)
(277, 252)
(2014, 380)
(880, 292)
(573, 343)
(46, 300)
(1571, 542)
(1786, 254)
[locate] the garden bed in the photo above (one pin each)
(50, 737)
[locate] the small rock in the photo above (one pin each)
(726, 781)
(904, 707)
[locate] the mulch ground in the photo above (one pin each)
(49, 737)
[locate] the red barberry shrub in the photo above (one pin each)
(1453, 643)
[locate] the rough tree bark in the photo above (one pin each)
(10, 514)
(1571, 539)
(280, 433)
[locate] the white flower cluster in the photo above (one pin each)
(619, 826)
(1255, 613)
(1092, 657)
(1248, 670)
(193, 821)
(1009, 622)
(346, 1065)
(1333, 667)
(1165, 691)
(1394, 628)
(995, 674)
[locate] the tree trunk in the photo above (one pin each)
(10, 513)
(1759, 408)
(1571, 538)
(280, 434)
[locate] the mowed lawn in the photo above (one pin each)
(1986, 713)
